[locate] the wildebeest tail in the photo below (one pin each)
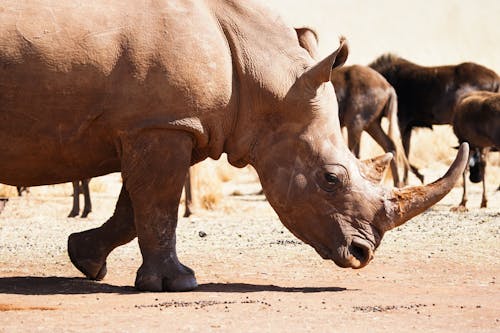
(391, 112)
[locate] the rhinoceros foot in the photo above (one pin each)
(171, 277)
(86, 260)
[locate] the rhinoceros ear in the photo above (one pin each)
(320, 73)
(308, 40)
(374, 168)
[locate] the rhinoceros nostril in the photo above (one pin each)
(358, 252)
(361, 252)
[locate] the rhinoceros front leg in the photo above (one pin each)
(89, 249)
(154, 168)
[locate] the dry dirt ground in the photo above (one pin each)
(437, 273)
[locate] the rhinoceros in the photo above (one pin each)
(149, 89)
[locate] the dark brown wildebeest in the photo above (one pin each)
(81, 186)
(428, 95)
(149, 89)
(477, 121)
(364, 97)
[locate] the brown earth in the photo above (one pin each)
(436, 273)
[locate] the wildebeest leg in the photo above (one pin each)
(463, 203)
(89, 249)
(75, 210)
(87, 208)
(21, 189)
(154, 168)
(484, 200)
(378, 134)
(462, 206)
(406, 138)
(353, 139)
(187, 191)
(3, 201)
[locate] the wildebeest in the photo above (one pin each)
(81, 186)
(428, 95)
(364, 97)
(149, 89)
(477, 122)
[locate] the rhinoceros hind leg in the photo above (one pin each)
(89, 249)
(94, 269)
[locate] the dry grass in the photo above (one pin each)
(211, 181)
(206, 184)
(98, 185)
(7, 191)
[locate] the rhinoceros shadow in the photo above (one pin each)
(52, 285)
(249, 288)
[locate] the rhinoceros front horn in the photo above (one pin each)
(408, 202)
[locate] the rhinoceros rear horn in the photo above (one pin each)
(374, 168)
(405, 203)
(320, 73)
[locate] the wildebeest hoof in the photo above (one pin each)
(73, 214)
(459, 209)
(181, 280)
(93, 269)
(85, 214)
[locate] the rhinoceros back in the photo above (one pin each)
(73, 76)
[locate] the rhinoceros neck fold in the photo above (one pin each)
(262, 72)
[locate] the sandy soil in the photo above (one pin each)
(436, 273)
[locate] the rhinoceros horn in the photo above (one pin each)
(405, 203)
(374, 168)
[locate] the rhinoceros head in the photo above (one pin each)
(321, 192)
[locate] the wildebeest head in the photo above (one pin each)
(321, 192)
(477, 164)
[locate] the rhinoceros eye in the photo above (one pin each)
(331, 178)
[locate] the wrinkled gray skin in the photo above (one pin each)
(149, 90)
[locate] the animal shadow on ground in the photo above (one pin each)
(249, 288)
(52, 285)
